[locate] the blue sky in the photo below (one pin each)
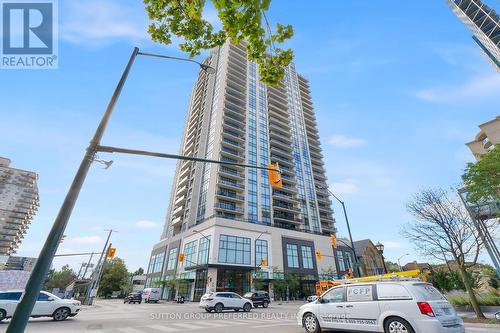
(398, 87)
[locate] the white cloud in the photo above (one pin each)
(96, 22)
(345, 142)
(143, 224)
(346, 187)
(84, 240)
(476, 88)
(391, 245)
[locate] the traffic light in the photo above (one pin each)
(63, 237)
(333, 240)
(274, 174)
(181, 257)
(263, 263)
(111, 252)
(319, 257)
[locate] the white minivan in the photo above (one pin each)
(151, 295)
(382, 306)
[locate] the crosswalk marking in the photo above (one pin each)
(162, 328)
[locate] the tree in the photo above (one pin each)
(140, 271)
(482, 179)
(60, 279)
(392, 267)
(114, 277)
(442, 230)
(242, 21)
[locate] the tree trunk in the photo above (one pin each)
(472, 295)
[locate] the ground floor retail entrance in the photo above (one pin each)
(237, 281)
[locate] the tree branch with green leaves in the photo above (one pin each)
(242, 21)
(482, 179)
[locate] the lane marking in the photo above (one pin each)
(129, 330)
(188, 326)
(162, 328)
(272, 325)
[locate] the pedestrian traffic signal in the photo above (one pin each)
(274, 174)
(111, 252)
(319, 257)
(349, 274)
(181, 257)
(263, 263)
(333, 240)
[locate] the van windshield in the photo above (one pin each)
(248, 295)
(428, 292)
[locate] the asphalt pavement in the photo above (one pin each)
(112, 316)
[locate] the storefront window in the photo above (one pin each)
(203, 250)
(260, 251)
(172, 259)
(292, 255)
(307, 258)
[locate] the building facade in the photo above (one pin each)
(227, 218)
(371, 260)
(484, 23)
(18, 204)
(486, 139)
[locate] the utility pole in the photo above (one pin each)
(87, 265)
(97, 273)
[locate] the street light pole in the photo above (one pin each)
(356, 262)
(37, 277)
(39, 273)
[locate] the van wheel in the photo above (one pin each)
(3, 314)
(310, 323)
(265, 304)
(61, 314)
(247, 307)
(218, 307)
(397, 325)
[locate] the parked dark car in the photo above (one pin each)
(258, 298)
(133, 298)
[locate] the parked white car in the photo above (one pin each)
(47, 305)
(383, 306)
(219, 301)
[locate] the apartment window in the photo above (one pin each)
(172, 258)
(260, 251)
(292, 255)
(307, 257)
(189, 253)
(234, 250)
(203, 250)
(348, 257)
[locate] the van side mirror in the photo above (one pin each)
(320, 299)
(50, 299)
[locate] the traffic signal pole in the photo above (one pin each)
(23, 310)
(96, 274)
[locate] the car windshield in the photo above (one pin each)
(428, 292)
(248, 295)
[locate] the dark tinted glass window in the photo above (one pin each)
(43, 297)
(10, 296)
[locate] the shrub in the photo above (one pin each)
(488, 299)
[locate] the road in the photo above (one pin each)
(115, 317)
